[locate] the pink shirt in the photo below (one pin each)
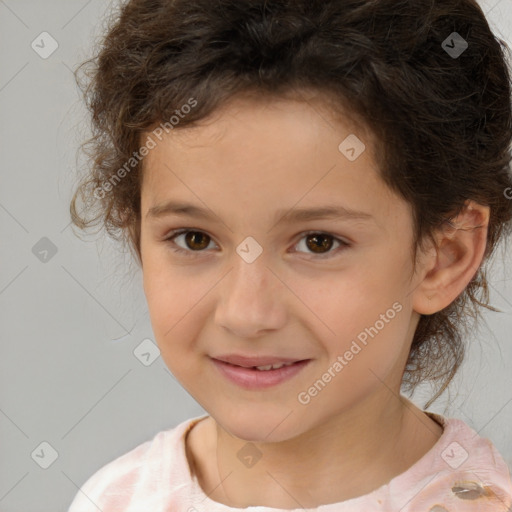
(463, 472)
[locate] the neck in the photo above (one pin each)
(347, 456)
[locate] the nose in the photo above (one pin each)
(251, 300)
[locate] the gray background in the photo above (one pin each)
(70, 323)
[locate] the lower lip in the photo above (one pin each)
(250, 378)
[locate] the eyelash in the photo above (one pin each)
(189, 253)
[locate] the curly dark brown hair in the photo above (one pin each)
(440, 111)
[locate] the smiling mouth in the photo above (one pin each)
(260, 377)
(264, 368)
(263, 362)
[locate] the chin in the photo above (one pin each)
(261, 428)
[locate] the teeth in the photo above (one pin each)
(272, 366)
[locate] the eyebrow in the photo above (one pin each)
(288, 215)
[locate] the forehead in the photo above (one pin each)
(266, 154)
(250, 110)
(249, 130)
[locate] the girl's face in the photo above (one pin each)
(336, 290)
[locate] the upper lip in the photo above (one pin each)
(249, 361)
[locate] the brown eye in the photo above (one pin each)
(319, 242)
(196, 240)
(319, 245)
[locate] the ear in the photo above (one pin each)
(455, 259)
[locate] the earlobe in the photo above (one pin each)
(460, 247)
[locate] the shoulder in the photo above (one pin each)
(137, 473)
(464, 472)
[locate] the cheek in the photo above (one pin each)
(364, 321)
(168, 308)
(166, 295)
(355, 299)
(175, 299)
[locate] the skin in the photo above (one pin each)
(249, 160)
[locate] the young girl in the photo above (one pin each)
(346, 166)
